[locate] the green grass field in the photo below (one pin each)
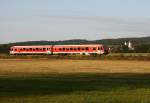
(74, 81)
(129, 54)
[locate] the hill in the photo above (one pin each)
(142, 40)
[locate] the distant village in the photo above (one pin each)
(129, 44)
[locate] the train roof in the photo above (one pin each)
(54, 45)
(31, 46)
(81, 45)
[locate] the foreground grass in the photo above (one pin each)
(74, 81)
(73, 88)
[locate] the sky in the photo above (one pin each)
(30, 20)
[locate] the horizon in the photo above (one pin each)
(72, 39)
(49, 20)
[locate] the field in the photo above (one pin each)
(111, 56)
(72, 81)
(129, 54)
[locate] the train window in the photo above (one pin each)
(60, 49)
(98, 48)
(82, 48)
(30, 48)
(75, 48)
(11, 49)
(79, 48)
(87, 48)
(71, 48)
(37, 49)
(21, 49)
(101, 48)
(40, 49)
(24, 48)
(47, 48)
(94, 48)
(33, 49)
(63, 48)
(44, 49)
(67, 49)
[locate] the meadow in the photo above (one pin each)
(72, 81)
(111, 56)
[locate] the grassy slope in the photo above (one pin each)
(21, 81)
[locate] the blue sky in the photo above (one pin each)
(23, 20)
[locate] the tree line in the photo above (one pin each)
(141, 45)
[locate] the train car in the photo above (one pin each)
(31, 49)
(78, 49)
(60, 49)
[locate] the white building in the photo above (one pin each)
(129, 44)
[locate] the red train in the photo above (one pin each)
(60, 49)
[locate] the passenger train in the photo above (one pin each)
(88, 49)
